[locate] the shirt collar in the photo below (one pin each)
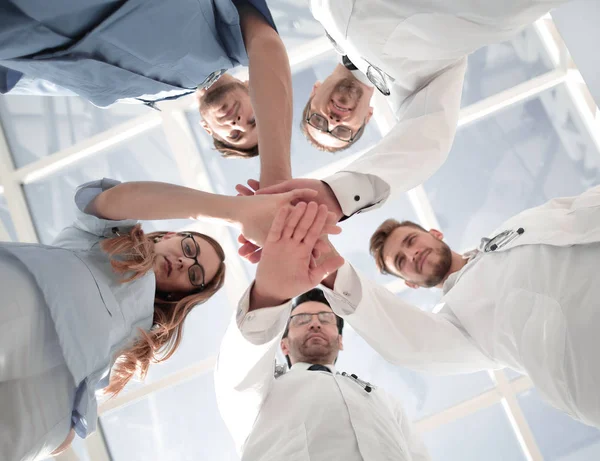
(453, 278)
(304, 366)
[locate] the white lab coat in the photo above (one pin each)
(302, 415)
(423, 48)
(531, 305)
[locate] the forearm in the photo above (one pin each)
(271, 96)
(157, 200)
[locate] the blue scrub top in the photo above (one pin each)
(106, 50)
(94, 314)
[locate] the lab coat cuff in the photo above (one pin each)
(261, 325)
(355, 192)
(347, 291)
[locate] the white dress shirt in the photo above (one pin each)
(531, 305)
(422, 49)
(302, 415)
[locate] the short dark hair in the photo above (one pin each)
(381, 235)
(315, 295)
(313, 142)
(229, 151)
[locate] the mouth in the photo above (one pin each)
(340, 107)
(318, 336)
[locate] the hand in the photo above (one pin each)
(287, 268)
(325, 195)
(252, 252)
(256, 213)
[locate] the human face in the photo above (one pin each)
(342, 101)
(419, 257)
(171, 266)
(227, 114)
(313, 342)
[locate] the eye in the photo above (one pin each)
(192, 277)
(411, 240)
(401, 262)
(234, 135)
(187, 249)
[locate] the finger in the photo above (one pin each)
(305, 195)
(255, 257)
(332, 229)
(242, 239)
(247, 249)
(293, 220)
(312, 264)
(328, 266)
(316, 229)
(306, 222)
(243, 190)
(331, 218)
(278, 224)
(254, 184)
(275, 189)
(316, 253)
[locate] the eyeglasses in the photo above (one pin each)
(325, 317)
(343, 133)
(191, 250)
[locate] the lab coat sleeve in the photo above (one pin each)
(414, 441)
(411, 152)
(245, 365)
(400, 332)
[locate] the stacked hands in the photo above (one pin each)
(296, 254)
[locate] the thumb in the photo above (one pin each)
(325, 268)
(275, 189)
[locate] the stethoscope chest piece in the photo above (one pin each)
(501, 240)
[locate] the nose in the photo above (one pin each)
(184, 262)
(334, 118)
(413, 254)
(315, 323)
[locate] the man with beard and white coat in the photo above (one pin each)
(311, 412)
(417, 52)
(527, 298)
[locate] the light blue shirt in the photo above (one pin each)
(95, 315)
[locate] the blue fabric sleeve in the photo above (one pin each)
(261, 6)
(93, 224)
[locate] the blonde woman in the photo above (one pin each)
(103, 302)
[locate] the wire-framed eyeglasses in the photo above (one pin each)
(343, 133)
(191, 250)
(325, 317)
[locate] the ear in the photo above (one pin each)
(369, 115)
(341, 342)
(206, 127)
(285, 346)
(246, 83)
(315, 88)
(414, 286)
(437, 234)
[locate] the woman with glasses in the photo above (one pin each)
(105, 301)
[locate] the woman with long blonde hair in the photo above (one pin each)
(105, 301)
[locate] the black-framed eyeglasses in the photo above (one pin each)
(191, 250)
(343, 133)
(325, 317)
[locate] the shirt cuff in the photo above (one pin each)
(354, 191)
(347, 291)
(261, 325)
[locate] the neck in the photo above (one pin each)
(340, 72)
(458, 262)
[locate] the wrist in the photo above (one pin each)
(260, 297)
(337, 211)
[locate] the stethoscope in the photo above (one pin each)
(500, 240)
(368, 387)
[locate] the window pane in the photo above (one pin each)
(500, 66)
(509, 162)
(144, 158)
(295, 22)
(421, 394)
(485, 435)
(181, 423)
(7, 229)
(559, 437)
(202, 334)
(37, 126)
